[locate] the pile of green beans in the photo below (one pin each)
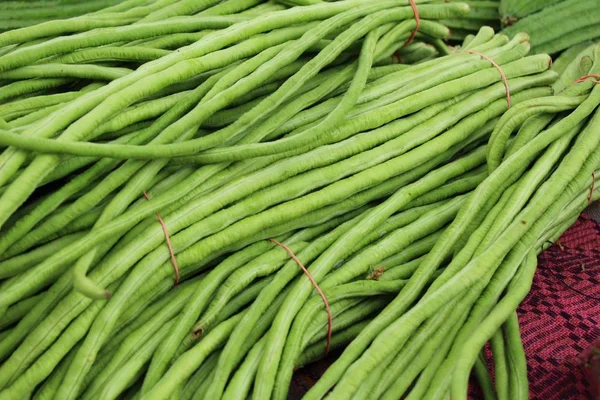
(538, 184)
(553, 25)
(249, 120)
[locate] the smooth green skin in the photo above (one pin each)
(15, 89)
(318, 92)
(352, 311)
(237, 259)
(490, 234)
(168, 278)
(567, 57)
(419, 248)
(513, 297)
(46, 321)
(580, 205)
(515, 356)
(101, 167)
(111, 355)
(241, 382)
(20, 263)
(199, 378)
(480, 369)
(562, 184)
(575, 90)
(49, 9)
(517, 115)
(484, 35)
(578, 67)
(114, 180)
(428, 369)
(264, 8)
(402, 384)
(34, 317)
(111, 53)
(48, 389)
(53, 70)
(118, 302)
(98, 290)
(34, 103)
(14, 313)
(536, 24)
(144, 111)
(179, 8)
(23, 236)
(530, 129)
(314, 352)
(383, 92)
(501, 374)
(118, 205)
(460, 186)
(585, 34)
(96, 38)
(405, 270)
(237, 7)
(123, 13)
(241, 278)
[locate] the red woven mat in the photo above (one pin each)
(559, 318)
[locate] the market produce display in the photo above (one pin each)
(552, 25)
(198, 197)
(556, 27)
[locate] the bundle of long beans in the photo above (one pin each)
(18, 13)
(267, 137)
(481, 13)
(553, 25)
(538, 184)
